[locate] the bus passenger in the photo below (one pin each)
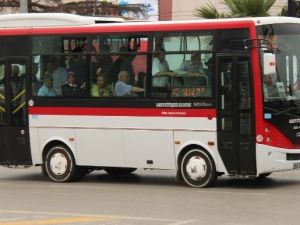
(122, 87)
(209, 71)
(49, 70)
(77, 64)
(17, 80)
(47, 90)
(160, 70)
(193, 66)
(59, 75)
(103, 63)
(36, 83)
(194, 70)
(100, 89)
(71, 88)
(124, 63)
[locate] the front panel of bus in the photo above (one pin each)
(281, 84)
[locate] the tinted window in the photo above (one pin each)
(118, 66)
(232, 39)
(13, 46)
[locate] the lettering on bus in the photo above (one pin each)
(173, 105)
(188, 92)
(203, 104)
(292, 121)
(171, 113)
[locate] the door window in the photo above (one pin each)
(244, 98)
(235, 136)
(2, 95)
(226, 95)
(17, 89)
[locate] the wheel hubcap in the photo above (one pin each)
(196, 168)
(58, 164)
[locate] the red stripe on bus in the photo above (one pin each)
(132, 27)
(151, 112)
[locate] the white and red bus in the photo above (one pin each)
(206, 98)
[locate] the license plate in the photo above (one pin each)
(296, 166)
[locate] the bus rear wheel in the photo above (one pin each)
(60, 165)
(118, 171)
(198, 169)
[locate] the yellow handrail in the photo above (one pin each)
(19, 95)
(19, 107)
(2, 109)
(2, 97)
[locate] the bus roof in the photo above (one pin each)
(52, 20)
(33, 23)
(23, 20)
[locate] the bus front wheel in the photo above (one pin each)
(198, 169)
(60, 165)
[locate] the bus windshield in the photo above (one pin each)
(280, 67)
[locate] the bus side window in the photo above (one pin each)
(118, 66)
(182, 65)
(2, 95)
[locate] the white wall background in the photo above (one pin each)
(183, 10)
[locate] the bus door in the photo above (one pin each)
(14, 137)
(236, 141)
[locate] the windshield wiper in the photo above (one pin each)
(278, 112)
(285, 111)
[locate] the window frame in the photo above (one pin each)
(213, 52)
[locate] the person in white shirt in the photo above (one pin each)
(59, 76)
(160, 70)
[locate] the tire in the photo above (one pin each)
(198, 169)
(117, 171)
(60, 165)
(43, 170)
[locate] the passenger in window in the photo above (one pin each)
(122, 88)
(77, 64)
(59, 75)
(71, 88)
(17, 80)
(100, 89)
(17, 87)
(36, 84)
(123, 63)
(193, 66)
(47, 90)
(194, 71)
(49, 70)
(160, 70)
(209, 71)
(103, 63)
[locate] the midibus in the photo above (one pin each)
(205, 98)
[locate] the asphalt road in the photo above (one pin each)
(147, 197)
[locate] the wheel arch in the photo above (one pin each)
(57, 141)
(188, 147)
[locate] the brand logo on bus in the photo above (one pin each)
(292, 121)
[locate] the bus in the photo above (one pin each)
(205, 98)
